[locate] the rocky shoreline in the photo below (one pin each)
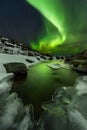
(78, 62)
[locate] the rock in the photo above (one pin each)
(43, 57)
(30, 53)
(30, 61)
(51, 58)
(80, 56)
(57, 57)
(17, 68)
(36, 54)
(82, 68)
(38, 58)
(79, 62)
(79, 65)
(67, 59)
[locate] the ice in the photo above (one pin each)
(13, 114)
(81, 87)
(59, 115)
(5, 83)
(58, 64)
(66, 111)
(2, 69)
(77, 121)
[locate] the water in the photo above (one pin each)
(40, 84)
(66, 111)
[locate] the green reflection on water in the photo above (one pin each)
(40, 84)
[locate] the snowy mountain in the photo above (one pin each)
(12, 47)
(8, 46)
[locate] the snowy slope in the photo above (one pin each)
(13, 51)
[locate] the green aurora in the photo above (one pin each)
(65, 24)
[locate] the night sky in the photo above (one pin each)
(53, 26)
(19, 21)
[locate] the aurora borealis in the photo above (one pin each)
(65, 24)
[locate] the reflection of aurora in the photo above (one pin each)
(66, 25)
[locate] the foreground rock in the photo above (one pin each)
(79, 62)
(16, 68)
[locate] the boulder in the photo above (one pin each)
(76, 63)
(17, 68)
(79, 65)
(82, 68)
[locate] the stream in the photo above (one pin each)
(41, 83)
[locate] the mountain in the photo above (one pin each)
(12, 47)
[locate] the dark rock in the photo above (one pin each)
(30, 53)
(36, 53)
(79, 57)
(67, 59)
(57, 57)
(38, 58)
(79, 62)
(79, 65)
(43, 57)
(30, 61)
(17, 68)
(51, 58)
(82, 68)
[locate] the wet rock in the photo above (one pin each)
(16, 68)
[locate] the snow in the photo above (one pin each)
(2, 68)
(54, 66)
(13, 52)
(58, 64)
(11, 107)
(4, 85)
(8, 58)
(81, 86)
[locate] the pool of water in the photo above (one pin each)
(40, 84)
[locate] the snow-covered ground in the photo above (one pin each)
(9, 58)
(5, 83)
(13, 114)
(13, 51)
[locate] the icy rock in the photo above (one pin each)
(53, 118)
